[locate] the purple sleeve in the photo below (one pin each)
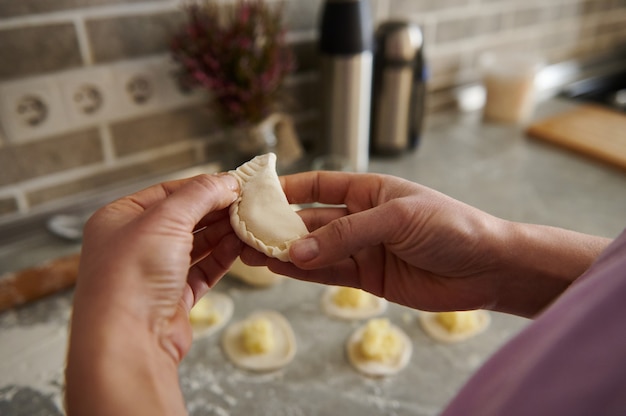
(570, 361)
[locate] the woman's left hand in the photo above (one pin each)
(146, 258)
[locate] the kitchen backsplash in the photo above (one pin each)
(55, 145)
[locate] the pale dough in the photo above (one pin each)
(210, 314)
(259, 276)
(261, 216)
(368, 307)
(377, 368)
(429, 321)
(281, 354)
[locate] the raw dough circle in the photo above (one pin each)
(282, 353)
(376, 368)
(432, 327)
(223, 305)
(373, 306)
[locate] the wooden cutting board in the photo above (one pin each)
(591, 130)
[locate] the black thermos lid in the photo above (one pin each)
(346, 27)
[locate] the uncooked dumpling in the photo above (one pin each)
(210, 313)
(259, 276)
(457, 326)
(264, 341)
(262, 216)
(350, 303)
(379, 348)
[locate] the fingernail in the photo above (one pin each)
(230, 181)
(305, 249)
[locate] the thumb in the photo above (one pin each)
(193, 199)
(342, 238)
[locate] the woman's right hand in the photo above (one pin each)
(420, 248)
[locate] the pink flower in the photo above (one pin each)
(243, 63)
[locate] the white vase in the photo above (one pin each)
(275, 133)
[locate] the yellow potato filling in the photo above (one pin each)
(458, 321)
(349, 297)
(257, 336)
(203, 313)
(380, 342)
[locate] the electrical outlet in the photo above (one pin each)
(42, 106)
(136, 88)
(31, 109)
(87, 95)
(173, 92)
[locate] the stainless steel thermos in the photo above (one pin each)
(399, 88)
(346, 38)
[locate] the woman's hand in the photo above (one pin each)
(420, 248)
(146, 258)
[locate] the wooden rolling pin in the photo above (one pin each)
(17, 288)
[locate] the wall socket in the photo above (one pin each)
(172, 90)
(31, 109)
(38, 107)
(87, 95)
(136, 88)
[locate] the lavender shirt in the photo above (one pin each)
(570, 361)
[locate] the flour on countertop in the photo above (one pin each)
(34, 357)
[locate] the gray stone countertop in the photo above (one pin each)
(493, 167)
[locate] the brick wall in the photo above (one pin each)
(46, 44)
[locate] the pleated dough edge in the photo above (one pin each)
(241, 173)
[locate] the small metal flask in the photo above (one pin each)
(345, 44)
(399, 88)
